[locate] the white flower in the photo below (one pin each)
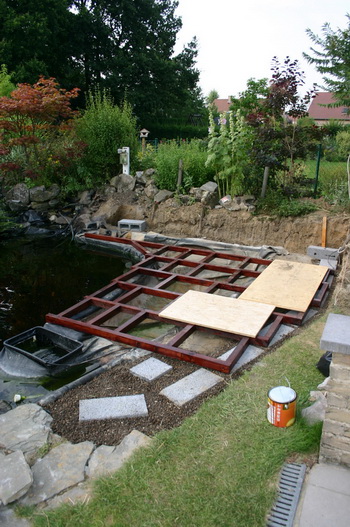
(17, 398)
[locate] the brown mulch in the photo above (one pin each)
(163, 414)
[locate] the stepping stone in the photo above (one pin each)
(336, 334)
(150, 369)
(190, 387)
(251, 353)
(113, 407)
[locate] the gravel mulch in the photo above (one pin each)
(163, 414)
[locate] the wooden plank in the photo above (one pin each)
(219, 312)
(287, 285)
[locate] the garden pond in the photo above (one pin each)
(40, 276)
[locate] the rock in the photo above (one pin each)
(19, 194)
(210, 186)
(149, 172)
(25, 428)
(108, 459)
(123, 183)
(163, 195)
(85, 197)
(8, 518)
(324, 384)
(62, 468)
(5, 406)
(16, 477)
(32, 217)
(140, 178)
(42, 195)
(317, 411)
(151, 190)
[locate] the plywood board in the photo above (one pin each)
(285, 284)
(219, 312)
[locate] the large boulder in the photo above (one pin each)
(18, 198)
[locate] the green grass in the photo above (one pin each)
(220, 467)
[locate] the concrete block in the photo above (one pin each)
(113, 407)
(336, 334)
(190, 387)
(150, 369)
(322, 253)
(331, 263)
(132, 225)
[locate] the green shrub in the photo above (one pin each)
(276, 204)
(333, 182)
(193, 155)
(104, 128)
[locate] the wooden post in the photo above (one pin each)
(264, 185)
(179, 175)
(324, 231)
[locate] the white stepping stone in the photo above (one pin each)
(150, 369)
(113, 407)
(188, 388)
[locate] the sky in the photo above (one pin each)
(237, 40)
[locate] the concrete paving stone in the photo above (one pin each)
(113, 407)
(282, 331)
(318, 253)
(326, 500)
(150, 369)
(16, 477)
(63, 467)
(108, 459)
(251, 353)
(336, 334)
(190, 387)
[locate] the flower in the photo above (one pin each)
(18, 397)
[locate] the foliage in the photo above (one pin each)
(146, 158)
(252, 98)
(6, 86)
(173, 129)
(104, 128)
(225, 155)
(37, 38)
(343, 143)
(35, 139)
(193, 155)
(125, 47)
(332, 59)
(275, 203)
(5, 222)
(280, 135)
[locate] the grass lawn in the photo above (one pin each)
(221, 466)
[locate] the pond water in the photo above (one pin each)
(40, 276)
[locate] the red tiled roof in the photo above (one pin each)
(322, 113)
(223, 105)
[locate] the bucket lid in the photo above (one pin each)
(282, 394)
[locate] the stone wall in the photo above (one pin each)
(335, 441)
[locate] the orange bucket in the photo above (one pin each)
(281, 407)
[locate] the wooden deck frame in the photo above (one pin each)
(114, 298)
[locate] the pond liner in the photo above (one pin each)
(128, 354)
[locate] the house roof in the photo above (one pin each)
(223, 105)
(322, 113)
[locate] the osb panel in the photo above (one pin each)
(287, 285)
(219, 312)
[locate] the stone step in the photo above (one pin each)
(113, 407)
(191, 386)
(150, 369)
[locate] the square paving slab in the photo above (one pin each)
(287, 285)
(113, 407)
(188, 388)
(336, 334)
(150, 369)
(219, 312)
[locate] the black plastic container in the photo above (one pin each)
(45, 347)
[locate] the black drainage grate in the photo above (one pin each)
(291, 480)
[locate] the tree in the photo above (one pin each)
(36, 39)
(331, 56)
(32, 122)
(6, 86)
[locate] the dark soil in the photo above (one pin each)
(163, 414)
